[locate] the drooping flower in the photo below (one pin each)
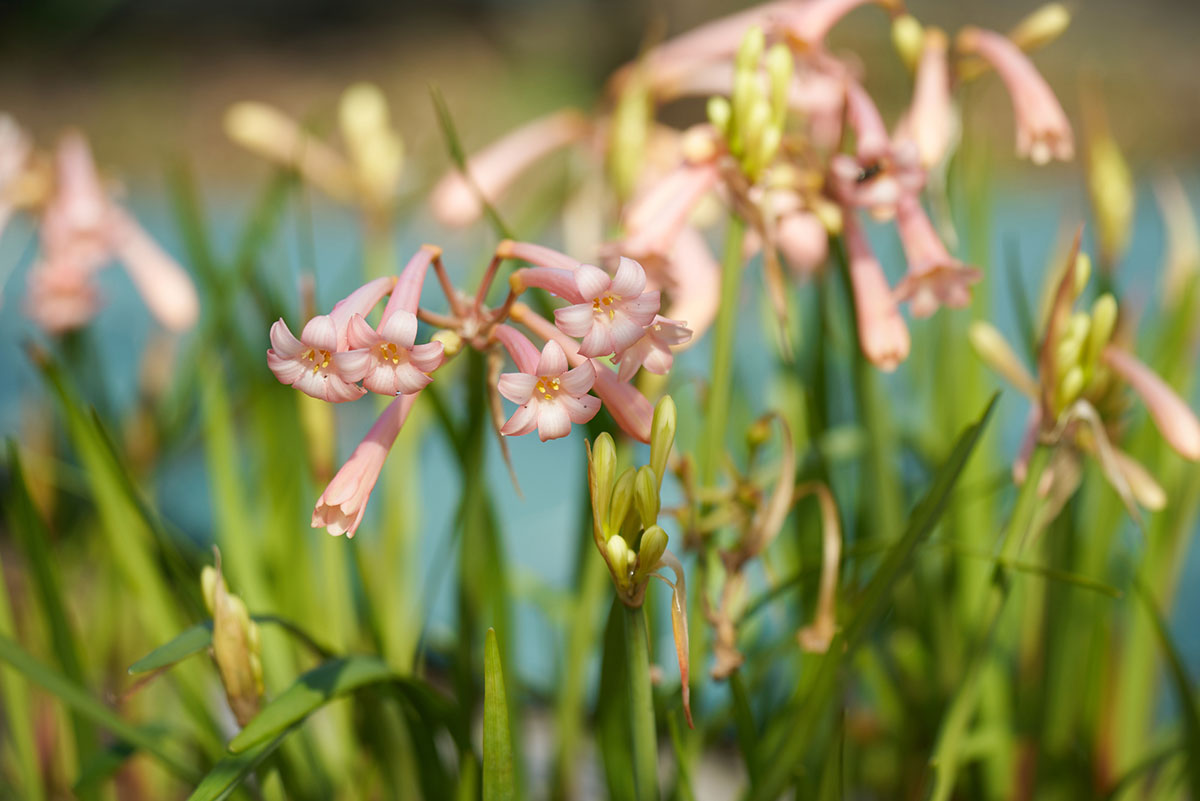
(550, 397)
(392, 362)
(1175, 421)
(493, 169)
(1043, 132)
(935, 278)
(881, 171)
(882, 334)
(320, 363)
(653, 349)
(341, 506)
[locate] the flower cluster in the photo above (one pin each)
(340, 356)
(81, 230)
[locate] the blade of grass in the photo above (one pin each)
(17, 713)
(498, 775)
(229, 773)
(195, 639)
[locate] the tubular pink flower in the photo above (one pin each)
(930, 121)
(803, 241)
(163, 284)
(390, 361)
(319, 362)
(628, 407)
(614, 311)
(881, 172)
(341, 506)
(493, 169)
(654, 220)
(1043, 132)
(550, 397)
(882, 334)
(1175, 421)
(935, 278)
(653, 349)
(537, 255)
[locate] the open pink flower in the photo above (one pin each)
(930, 121)
(391, 361)
(1174, 420)
(882, 334)
(320, 363)
(935, 278)
(1043, 132)
(612, 310)
(550, 396)
(653, 349)
(341, 506)
(881, 171)
(454, 200)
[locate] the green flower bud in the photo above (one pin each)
(662, 436)
(602, 472)
(622, 499)
(1070, 387)
(1104, 320)
(908, 37)
(645, 496)
(1083, 272)
(650, 551)
(751, 50)
(779, 70)
(719, 114)
(618, 553)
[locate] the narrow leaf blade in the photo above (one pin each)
(498, 775)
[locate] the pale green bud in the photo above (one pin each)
(645, 496)
(1083, 273)
(618, 554)
(989, 344)
(1104, 320)
(662, 436)
(602, 464)
(779, 70)
(650, 551)
(208, 586)
(768, 146)
(452, 342)
(908, 37)
(622, 499)
(1041, 27)
(719, 114)
(751, 50)
(1070, 387)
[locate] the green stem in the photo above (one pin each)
(641, 703)
(947, 752)
(722, 365)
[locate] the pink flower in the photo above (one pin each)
(320, 363)
(654, 220)
(812, 20)
(493, 169)
(930, 121)
(550, 396)
(163, 284)
(934, 278)
(1043, 131)
(653, 349)
(803, 241)
(881, 172)
(341, 506)
(391, 361)
(1175, 421)
(882, 334)
(613, 311)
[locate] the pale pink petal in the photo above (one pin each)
(642, 308)
(360, 301)
(286, 369)
(360, 334)
(427, 357)
(813, 19)
(523, 352)
(578, 380)
(553, 421)
(523, 420)
(1175, 421)
(630, 280)
(320, 332)
(624, 332)
(598, 342)
(282, 341)
(407, 379)
(517, 387)
(554, 280)
(553, 361)
(400, 328)
(628, 407)
(591, 281)
(580, 409)
(575, 320)
(352, 365)
(658, 359)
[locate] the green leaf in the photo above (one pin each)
(1182, 684)
(78, 699)
(198, 637)
(498, 775)
(310, 692)
(797, 726)
(232, 770)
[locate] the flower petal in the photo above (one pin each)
(282, 341)
(591, 281)
(553, 421)
(553, 360)
(360, 334)
(517, 387)
(630, 280)
(399, 328)
(523, 420)
(320, 332)
(576, 320)
(578, 380)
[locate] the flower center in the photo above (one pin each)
(604, 303)
(389, 353)
(547, 387)
(319, 359)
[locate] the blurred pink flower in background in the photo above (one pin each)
(934, 278)
(930, 121)
(882, 334)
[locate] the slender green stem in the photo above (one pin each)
(722, 365)
(947, 752)
(641, 703)
(743, 720)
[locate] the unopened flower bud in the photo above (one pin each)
(908, 37)
(662, 436)
(1110, 188)
(451, 341)
(617, 552)
(779, 70)
(602, 472)
(990, 346)
(1070, 387)
(1041, 27)
(622, 500)
(751, 50)
(650, 551)
(719, 113)
(645, 496)
(698, 146)
(1104, 321)
(235, 646)
(377, 152)
(1083, 273)
(830, 215)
